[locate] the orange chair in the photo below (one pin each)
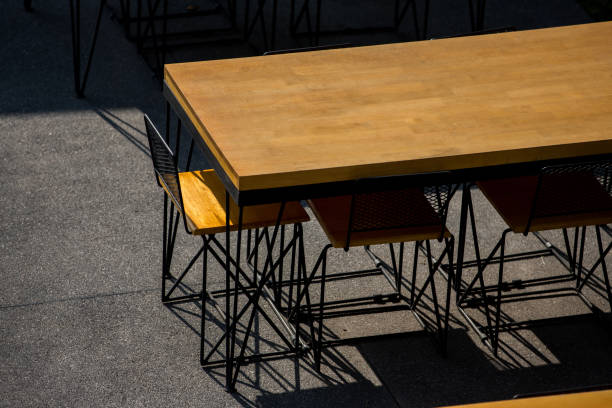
(371, 217)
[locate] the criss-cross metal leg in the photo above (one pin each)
(477, 14)
(434, 266)
(170, 226)
(80, 79)
(296, 16)
(301, 12)
(393, 273)
(254, 288)
(400, 13)
(475, 294)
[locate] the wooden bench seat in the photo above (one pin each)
(204, 202)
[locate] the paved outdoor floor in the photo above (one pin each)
(81, 322)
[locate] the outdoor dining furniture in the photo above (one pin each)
(307, 125)
(300, 12)
(199, 198)
(559, 197)
(376, 215)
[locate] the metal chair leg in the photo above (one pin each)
(319, 346)
(495, 335)
(604, 268)
(204, 299)
(75, 20)
(450, 243)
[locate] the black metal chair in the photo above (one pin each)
(200, 199)
(563, 196)
(477, 14)
(497, 30)
(308, 49)
(380, 211)
(156, 35)
(301, 12)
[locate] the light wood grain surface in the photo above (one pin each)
(336, 115)
(594, 399)
(203, 196)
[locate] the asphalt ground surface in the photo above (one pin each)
(81, 322)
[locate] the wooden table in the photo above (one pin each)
(591, 399)
(314, 119)
(297, 126)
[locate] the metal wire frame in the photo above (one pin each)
(259, 16)
(475, 294)
(237, 281)
(80, 78)
(146, 30)
(362, 219)
(302, 13)
(497, 30)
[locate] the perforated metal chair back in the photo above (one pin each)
(164, 163)
(398, 208)
(307, 49)
(498, 30)
(572, 189)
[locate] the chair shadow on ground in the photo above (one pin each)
(406, 369)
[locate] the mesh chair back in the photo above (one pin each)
(164, 163)
(498, 30)
(307, 49)
(400, 208)
(570, 189)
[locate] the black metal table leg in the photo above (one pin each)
(27, 4)
(80, 79)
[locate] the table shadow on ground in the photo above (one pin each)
(578, 348)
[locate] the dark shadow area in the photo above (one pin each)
(406, 368)
(84, 220)
(580, 355)
(347, 395)
(39, 45)
(599, 10)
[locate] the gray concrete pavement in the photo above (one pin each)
(81, 323)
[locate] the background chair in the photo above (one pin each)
(300, 11)
(563, 196)
(206, 209)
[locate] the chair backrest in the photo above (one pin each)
(572, 189)
(164, 164)
(306, 49)
(480, 32)
(375, 206)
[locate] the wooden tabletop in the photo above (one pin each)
(592, 399)
(335, 115)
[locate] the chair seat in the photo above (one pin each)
(382, 212)
(204, 202)
(569, 200)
